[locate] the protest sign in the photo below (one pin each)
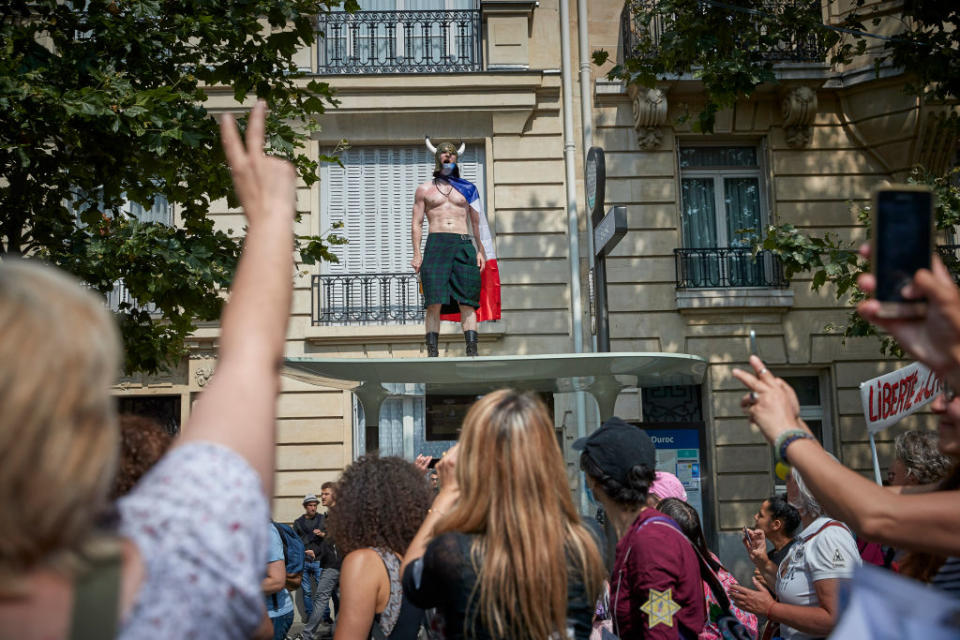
(891, 397)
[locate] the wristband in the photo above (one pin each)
(787, 438)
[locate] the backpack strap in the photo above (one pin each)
(831, 523)
(96, 591)
(706, 573)
(273, 597)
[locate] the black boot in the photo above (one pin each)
(433, 350)
(471, 339)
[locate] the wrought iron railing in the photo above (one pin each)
(398, 42)
(950, 254)
(728, 267)
(803, 46)
(366, 298)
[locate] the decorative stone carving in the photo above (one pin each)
(203, 375)
(649, 114)
(799, 110)
(798, 135)
(649, 137)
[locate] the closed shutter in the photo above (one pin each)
(372, 195)
(160, 212)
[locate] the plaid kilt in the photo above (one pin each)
(449, 273)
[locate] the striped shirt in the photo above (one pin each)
(948, 578)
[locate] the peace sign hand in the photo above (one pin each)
(266, 186)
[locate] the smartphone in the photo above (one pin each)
(753, 343)
(902, 242)
(746, 535)
(433, 463)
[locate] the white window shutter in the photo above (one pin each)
(372, 195)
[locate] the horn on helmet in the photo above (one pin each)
(462, 148)
(430, 147)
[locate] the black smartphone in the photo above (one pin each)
(433, 463)
(902, 242)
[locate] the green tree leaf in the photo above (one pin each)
(104, 102)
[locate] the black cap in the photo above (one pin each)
(617, 447)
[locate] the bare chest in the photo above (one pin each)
(442, 194)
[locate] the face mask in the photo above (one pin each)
(448, 168)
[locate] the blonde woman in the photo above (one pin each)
(502, 552)
(188, 558)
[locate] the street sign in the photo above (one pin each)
(610, 230)
(595, 177)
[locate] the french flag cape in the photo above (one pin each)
(490, 276)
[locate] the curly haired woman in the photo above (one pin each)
(380, 505)
(509, 557)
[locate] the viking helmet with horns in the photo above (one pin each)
(443, 146)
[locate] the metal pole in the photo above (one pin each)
(876, 461)
(569, 147)
(603, 319)
(573, 226)
(586, 126)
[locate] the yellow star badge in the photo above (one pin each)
(660, 608)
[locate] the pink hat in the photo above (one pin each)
(668, 485)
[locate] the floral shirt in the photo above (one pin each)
(197, 519)
(710, 629)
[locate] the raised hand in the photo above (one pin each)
(422, 462)
(447, 470)
(770, 402)
(266, 186)
(755, 543)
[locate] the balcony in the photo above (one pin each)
(805, 46)
(733, 267)
(378, 42)
(366, 299)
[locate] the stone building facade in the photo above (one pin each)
(490, 74)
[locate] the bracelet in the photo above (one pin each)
(769, 609)
(787, 438)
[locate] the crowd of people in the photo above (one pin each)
(105, 530)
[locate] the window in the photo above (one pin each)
(813, 393)
(808, 393)
(160, 213)
(371, 195)
(401, 35)
(721, 195)
(722, 213)
(164, 409)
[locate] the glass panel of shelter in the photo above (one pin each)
(416, 423)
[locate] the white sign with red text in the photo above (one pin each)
(891, 397)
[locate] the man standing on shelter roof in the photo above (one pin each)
(451, 265)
